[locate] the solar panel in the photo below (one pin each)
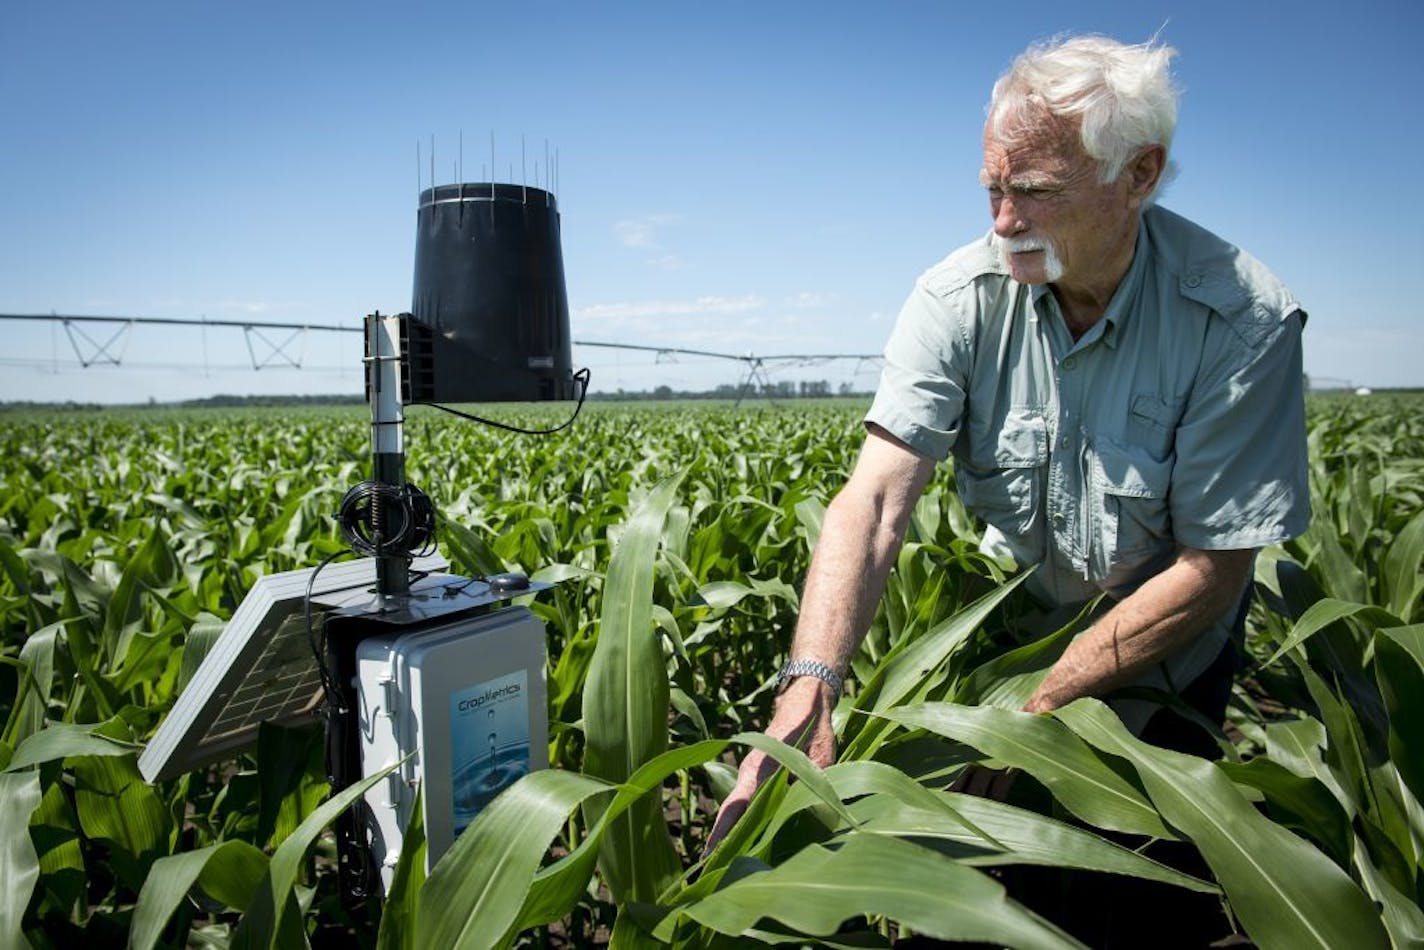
(262, 667)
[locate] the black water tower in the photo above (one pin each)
(490, 314)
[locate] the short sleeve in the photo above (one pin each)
(920, 399)
(1240, 479)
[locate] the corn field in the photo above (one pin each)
(678, 537)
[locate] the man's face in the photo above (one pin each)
(1054, 221)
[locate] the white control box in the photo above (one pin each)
(468, 698)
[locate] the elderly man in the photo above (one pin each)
(1121, 391)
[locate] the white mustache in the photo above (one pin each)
(1052, 263)
(1023, 245)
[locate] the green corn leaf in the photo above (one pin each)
(54, 829)
(201, 638)
(476, 890)
(231, 869)
(990, 832)
(60, 740)
(269, 913)
(721, 594)
(286, 758)
(810, 515)
(1048, 751)
(1285, 893)
(904, 675)
(1298, 745)
(1345, 749)
(114, 804)
(625, 703)
(468, 549)
(19, 865)
(34, 670)
(400, 911)
(855, 779)
(15, 568)
(1325, 612)
(1403, 576)
(1009, 680)
(1341, 571)
(1301, 803)
(1402, 917)
(153, 566)
(36, 685)
(1399, 668)
(820, 887)
(1027, 837)
(470, 881)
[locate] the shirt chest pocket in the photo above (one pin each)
(1152, 422)
(1130, 503)
(1002, 480)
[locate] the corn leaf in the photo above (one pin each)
(19, 865)
(1325, 612)
(1285, 893)
(27, 717)
(476, 890)
(1027, 838)
(268, 914)
(1402, 917)
(1052, 754)
(400, 911)
(60, 740)
(989, 832)
(904, 674)
(1403, 577)
(1298, 802)
(1299, 746)
(820, 887)
(232, 868)
(116, 805)
(625, 704)
(1399, 667)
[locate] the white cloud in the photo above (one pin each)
(808, 299)
(643, 231)
(615, 312)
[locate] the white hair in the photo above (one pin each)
(1121, 96)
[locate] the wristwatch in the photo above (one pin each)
(815, 668)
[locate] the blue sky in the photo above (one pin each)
(740, 177)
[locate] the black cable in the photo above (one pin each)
(318, 650)
(383, 520)
(583, 376)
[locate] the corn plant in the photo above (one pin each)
(678, 537)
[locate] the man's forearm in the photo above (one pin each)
(859, 541)
(1160, 617)
(845, 581)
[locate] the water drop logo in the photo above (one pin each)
(490, 742)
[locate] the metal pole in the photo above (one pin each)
(387, 438)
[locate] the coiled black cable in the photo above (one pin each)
(383, 520)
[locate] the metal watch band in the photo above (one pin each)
(820, 671)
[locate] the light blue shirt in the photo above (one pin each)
(1178, 418)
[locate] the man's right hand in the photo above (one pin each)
(803, 720)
